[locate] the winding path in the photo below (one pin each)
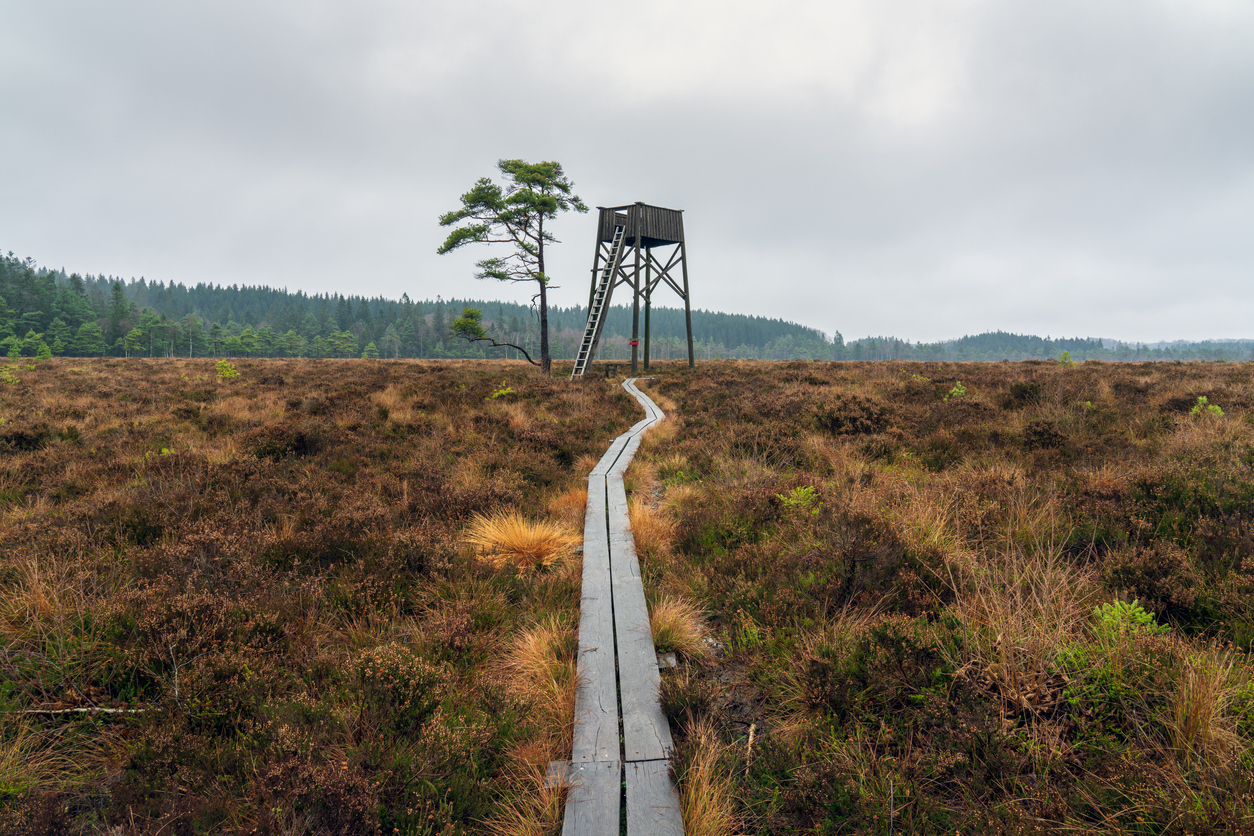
(621, 740)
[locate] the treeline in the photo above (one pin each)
(1000, 345)
(46, 312)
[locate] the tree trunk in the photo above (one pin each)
(546, 361)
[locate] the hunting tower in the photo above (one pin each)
(638, 229)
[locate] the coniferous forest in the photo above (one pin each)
(45, 312)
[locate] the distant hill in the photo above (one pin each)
(47, 311)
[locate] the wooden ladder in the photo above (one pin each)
(602, 295)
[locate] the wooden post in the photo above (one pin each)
(648, 300)
(683, 260)
(635, 284)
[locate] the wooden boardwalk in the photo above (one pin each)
(621, 739)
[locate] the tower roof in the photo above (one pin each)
(657, 226)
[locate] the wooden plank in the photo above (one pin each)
(648, 403)
(646, 733)
(623, 558)
(616, 500)
(594, 803)
(652, 802)
(611, 456)
(624, 461)
(596, 693)
(595, 736)
(594, 509)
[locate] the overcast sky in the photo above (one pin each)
(914, 168)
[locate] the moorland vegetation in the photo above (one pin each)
(303, 596)
(335, 597)
(939, 598)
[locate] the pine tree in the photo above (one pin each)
(117, 312)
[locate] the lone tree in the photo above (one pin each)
(533, 193)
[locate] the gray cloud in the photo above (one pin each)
(909, 168)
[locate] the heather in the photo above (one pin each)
(340, 596)
(977, 598)
(240, 596)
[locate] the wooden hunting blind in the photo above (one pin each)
(638, 229)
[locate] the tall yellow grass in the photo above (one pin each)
(536, 811)
(652, 530)
(1021, 610)
(678, 626)
(569, 506)
(507, 538)
(706, 793)
(541, 665)
(1201, 728)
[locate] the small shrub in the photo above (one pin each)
(501, 392)
(852, 415)
(280, 441)
(1021, 394)
(395, 681)
(957, 392)
(1160, 575)
(35, 438)
(1207, 409)
(1119, 617)
(1042, 435)
(226, 370)
(745, 633)
(804, 498)
(344, 467)
(684, 695)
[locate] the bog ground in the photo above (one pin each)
(341, 596)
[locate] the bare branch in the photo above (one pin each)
(495, 344)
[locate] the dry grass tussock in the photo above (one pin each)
(29, 760)
(508, 538)
(569, 507)
(652, 528)
(660, 433)
(536, 810)
(641, 476)
(707, 794)
(679, 497)
(391, 404)
(541, 666)
(678, 627)
(1202, 726)
(1020, 613)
